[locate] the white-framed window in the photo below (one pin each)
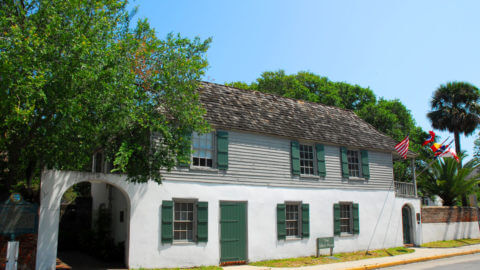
(203, 149)
(183, 221)
(292, 219)
(346, 218)
(354, 166)
(307, 159)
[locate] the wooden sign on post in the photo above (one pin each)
(325, 242)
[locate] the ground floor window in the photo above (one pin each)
(291, 219)
(346, 218)
(183, 221)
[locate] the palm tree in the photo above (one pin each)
(450, 180)
(455, 108)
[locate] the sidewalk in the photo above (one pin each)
(420, 254)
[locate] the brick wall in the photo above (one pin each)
(447, 214)
(27, 251)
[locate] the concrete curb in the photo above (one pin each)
(413, 260)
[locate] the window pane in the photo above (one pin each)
(202, 149)
(346, 218)
(306, 159)
(353, 163)
(291, 219)
(183, 222)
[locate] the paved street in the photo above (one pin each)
(465, 262)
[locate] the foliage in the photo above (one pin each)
(456, 108)
(451, 243)
(476, 151)
(388, 116)
(338, 257)
(311, 87)
(75, 77)
(450, 180)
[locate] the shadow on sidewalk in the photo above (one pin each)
(81, 261)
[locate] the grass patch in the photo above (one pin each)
(339, 257)
(192, 268)
(451, 243)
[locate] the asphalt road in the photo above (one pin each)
(465, 262)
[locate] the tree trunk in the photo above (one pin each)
(464, 200)
(457, 142)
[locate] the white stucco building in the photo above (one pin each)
(275, 174)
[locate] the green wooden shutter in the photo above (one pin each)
(202, 221)
(305, 221)
(222, 150)
(295, 155)
(344, 160)
(281, 230)
(167, 221)
(184, 158)
(336, 219)
(356, 220)
(321, 160)
(365, 167)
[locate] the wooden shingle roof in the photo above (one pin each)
(253, 111)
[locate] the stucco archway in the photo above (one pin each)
(53, 186)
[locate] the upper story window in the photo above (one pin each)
(307, 160)
(203, 150)
(354, 163)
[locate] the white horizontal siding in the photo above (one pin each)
(265, 160)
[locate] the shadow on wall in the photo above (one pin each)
(449, 222)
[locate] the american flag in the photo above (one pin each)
(402, 147)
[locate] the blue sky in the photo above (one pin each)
(400, 49)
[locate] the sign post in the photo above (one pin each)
(18, 217)
(325, 242)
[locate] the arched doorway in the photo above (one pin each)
(407, 225)
(54, 184)
(93, 227)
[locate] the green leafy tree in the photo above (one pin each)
(476, 151)
(76, 77)
(450, 180)
(456, 108)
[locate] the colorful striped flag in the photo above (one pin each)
(402, 147)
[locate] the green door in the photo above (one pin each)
(406, 222)
(233, 232)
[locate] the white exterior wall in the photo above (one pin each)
(145, 247)
(259, 173)
(449, 231)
